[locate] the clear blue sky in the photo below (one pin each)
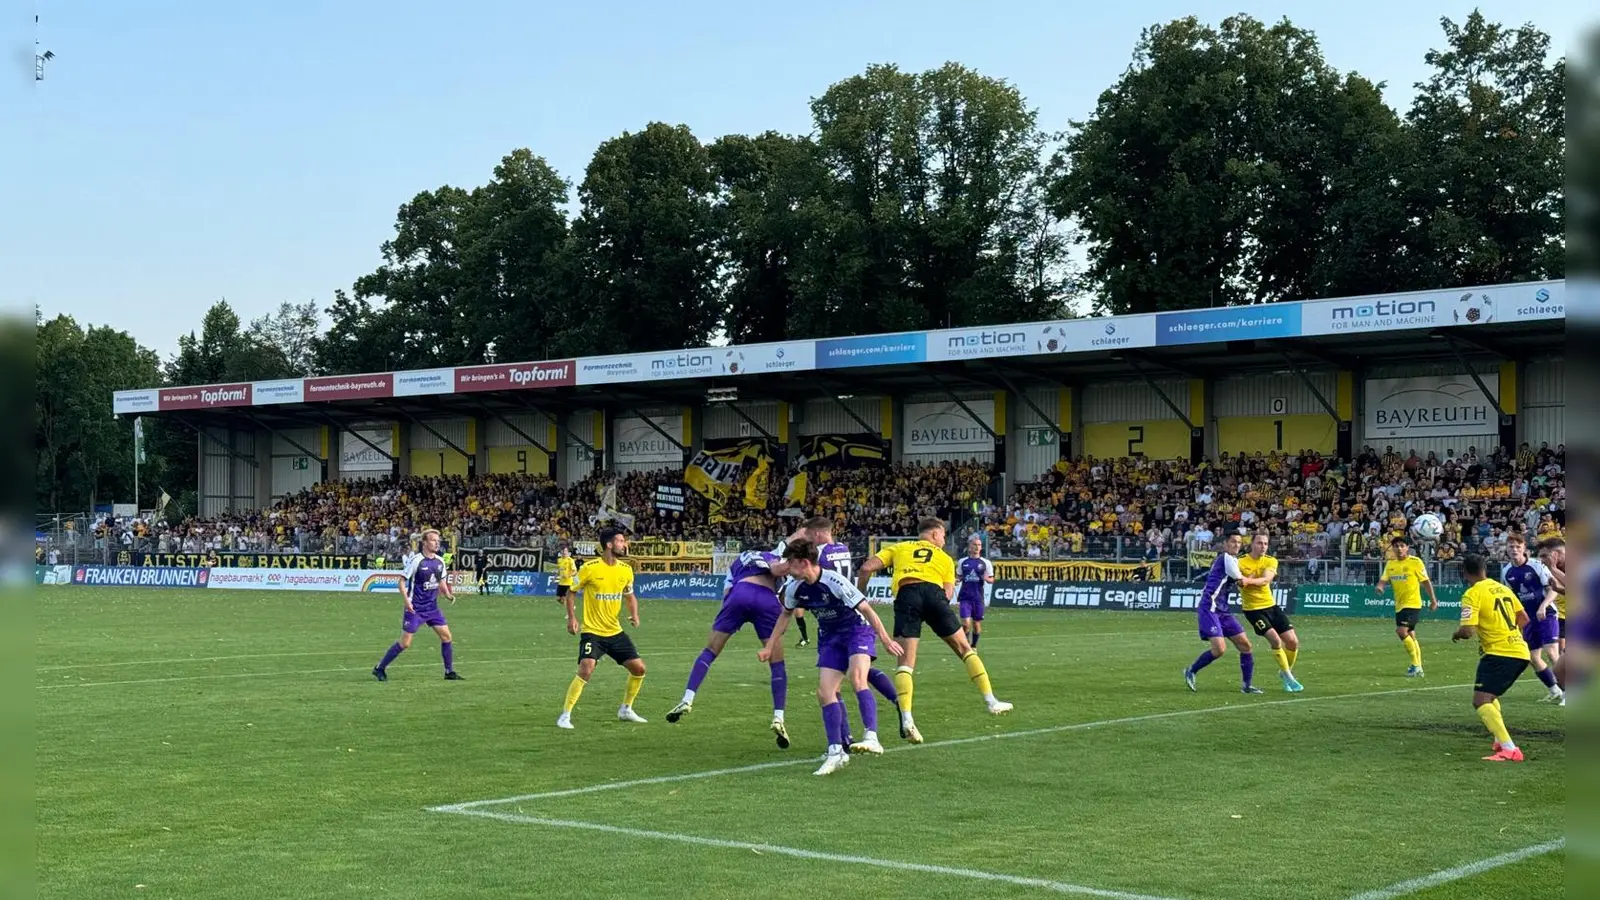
(177, 153)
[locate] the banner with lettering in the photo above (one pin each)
(727, 465)
(844, 451)
(1039, 570)
(486, 559)
(236, 560)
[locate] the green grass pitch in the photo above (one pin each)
(233, 745)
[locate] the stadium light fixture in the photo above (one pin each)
(722, 395)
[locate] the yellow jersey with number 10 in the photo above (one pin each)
(1258, 596)
(918, 561)
(1490, 607)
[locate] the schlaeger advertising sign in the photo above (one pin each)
(1042, 338)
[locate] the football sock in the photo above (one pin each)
(833, 723)
(1204, 660)
(885, 685)
(868, 704)
(1282, 656)
(394, 650)
(574, 691)
(1492, 720)
(1247, 667)
(780, 686)
(448, 651)
(1415, 649)
(1548, 677)
(1293, 655)
(974, 641)
(805, 632)
(632, 690)
(978, 674)
(902, 684)
(702, 667)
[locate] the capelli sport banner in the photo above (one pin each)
(844, 451)
(732, 474)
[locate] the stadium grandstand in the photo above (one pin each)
(1128, 441)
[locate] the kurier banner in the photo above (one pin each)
(1363, 600)
(1038, 570)
(238, 560)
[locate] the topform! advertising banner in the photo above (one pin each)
(211, 396)
(1435, 309)
(1442, 406)
(516, 376)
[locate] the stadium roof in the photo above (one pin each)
(1507, 321)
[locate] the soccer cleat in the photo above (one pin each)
(677, 712)
(1188, 677)
(626, 714)
(1554, 695)
(452, 676)
(1290, 684)
(867, 745)
(832, 763)
(380, 674)
(564, 721)
(806, 643)
(908, 730)
(779, 730)
(1414, 672)
(1504, 755)
(1000, 708)
(1251, 689)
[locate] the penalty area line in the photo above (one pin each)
(951, 742)
(798, 853)
(1445, 876)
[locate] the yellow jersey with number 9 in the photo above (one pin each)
(1490, 607)
(1258, 596)
(918, 561)
(604, 587)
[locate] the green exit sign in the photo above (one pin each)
(1042, 437)
(302, 462)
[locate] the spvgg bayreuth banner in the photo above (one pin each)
(231, 560)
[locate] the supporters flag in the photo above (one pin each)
(844, 451)
(609, 511)
(729, 465)
(794, 496)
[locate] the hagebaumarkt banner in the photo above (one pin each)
(1029, 570)
(1363, 600)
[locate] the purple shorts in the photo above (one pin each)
(411, 621)
(1540, 632)
(834, 648)
(972, 609)
(1214, 625)
(752, 603)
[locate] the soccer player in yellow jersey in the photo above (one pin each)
(1409, 576)
(1493, 615)
(1265, 615)
(924, 585)
(605, 583)
(566, 570)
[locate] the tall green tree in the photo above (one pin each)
(290, 332)
(642, 270)
(1489, 126)
(84, 455)
(1207, 174)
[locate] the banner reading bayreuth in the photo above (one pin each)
(231, 560)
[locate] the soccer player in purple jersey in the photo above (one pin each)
(424, 578)
(973, 573)
(1530, 580)
(1217, 624)
(834, 557)
(749, 596)
(847, 632)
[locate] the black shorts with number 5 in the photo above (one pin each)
(1273, 618)
(618, 646)
(918, 603)
(1496, 674)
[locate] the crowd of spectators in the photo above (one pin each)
(1314, 507)
(1129, 509)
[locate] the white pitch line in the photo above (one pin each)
(287, 673)
(951, 742)
(1057, 886)
(1445, 876)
